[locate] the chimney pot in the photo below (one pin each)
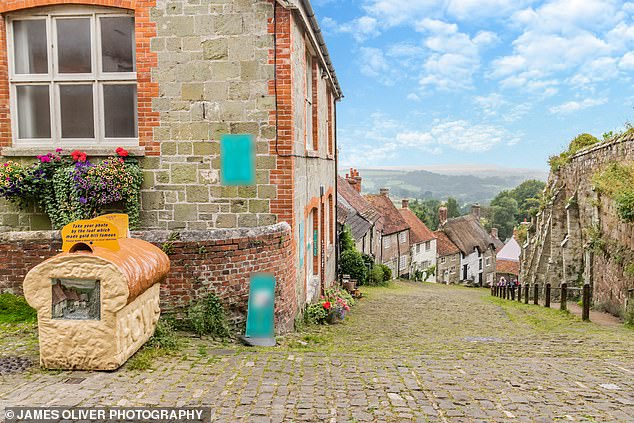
(384, 192)
(405, 203)
(494, 232)
(442, 215)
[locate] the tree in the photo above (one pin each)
(503, 212)
(453, 209)
(427, 211)
(527, 195)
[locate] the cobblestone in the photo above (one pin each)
(423, 353)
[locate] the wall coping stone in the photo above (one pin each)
(161, 235)
(604, 145)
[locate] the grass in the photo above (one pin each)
(163, 343)
(15, 309)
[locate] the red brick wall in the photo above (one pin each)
(146, 61)
(198, 267)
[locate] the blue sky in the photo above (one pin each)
(486, 82)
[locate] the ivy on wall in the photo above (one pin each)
(616, 181)
(71, 187)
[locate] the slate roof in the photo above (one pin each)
(354, 210)
(467, 233)
(418, 231)
(507, 266)
(393, 222)
(358, 225)
(444, 246)
(357, 201)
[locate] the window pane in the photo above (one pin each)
(73, 45)
(34, 111)
(117, 44)
(120, 111)
(30, 46)
(77, 111)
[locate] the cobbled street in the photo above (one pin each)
(408, 352)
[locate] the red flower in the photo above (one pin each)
(121, 152)
(78, 156)
(327, 305)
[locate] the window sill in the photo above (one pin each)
(312, 153)
(90, 151)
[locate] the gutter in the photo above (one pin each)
(308, 16)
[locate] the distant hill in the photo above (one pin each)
(479, 186)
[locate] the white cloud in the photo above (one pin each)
(375, 65)
(458, 135)
(627, 61)
(361, 28)
(471, 9)
(490, 104)
(413, 97)
(575, 106)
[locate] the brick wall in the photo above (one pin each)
(219, 262)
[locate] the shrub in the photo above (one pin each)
(577, 144)
(616, 181)
(15, 309)
(162, 343)
(207, 317)
(352, 264)
(387, 273)
(346, 240)
(625, 206)
(315, 314)
(376, 276)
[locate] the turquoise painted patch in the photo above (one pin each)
(260, 315)
(237, 159)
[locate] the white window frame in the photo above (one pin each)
(54, 79)
(402, 237)
(427, 245)
(402, 262)
(387, 242)
(487, 261)
(442, 260)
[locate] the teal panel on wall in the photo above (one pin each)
(260, 314)
(237, 159)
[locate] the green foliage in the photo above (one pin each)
(168, 246)
(427, 211)
(616, 181)
(577, 144)
(521, 234)
(502, 214)
(164, 342)
(207, 317)
(430, 271)
(351, 263)
(377, 276)
(315, 314)
(73, 189)
(387, 273)
(15, 309)
(453, 208)
(595, 242)
(346, 240)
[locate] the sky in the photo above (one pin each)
(502, 83)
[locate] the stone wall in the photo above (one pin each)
(218, 262)
(558, 247)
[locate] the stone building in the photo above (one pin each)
(477, 247)
(448, 260)
(357, 213)
(422, 243)
(395, 237)
(168, 80)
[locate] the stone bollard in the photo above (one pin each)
(536, 294)
(547, 295)
(563, 306)
(585, 313)
(526, 293)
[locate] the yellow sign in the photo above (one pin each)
(99, 232)
(121, 221)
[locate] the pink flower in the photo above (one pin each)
(122, 152)
(44, 159)
(59, 150)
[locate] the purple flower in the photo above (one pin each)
(83, 200)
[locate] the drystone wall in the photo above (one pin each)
(575, 236)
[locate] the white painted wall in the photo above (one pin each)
(420, 255)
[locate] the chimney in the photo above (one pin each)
(494, 232)
(405, 203)
(442, 215)
(384, 192)
(475, 210)
(358, 179)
